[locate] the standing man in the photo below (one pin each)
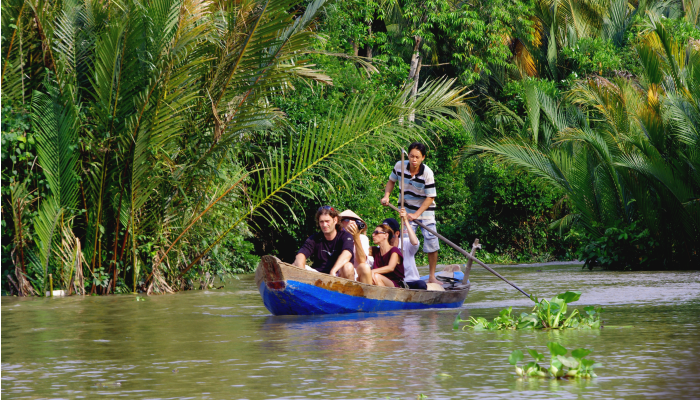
(419, 199)
(332, 248)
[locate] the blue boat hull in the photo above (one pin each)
(288, 290)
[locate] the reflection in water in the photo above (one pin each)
(224, 344)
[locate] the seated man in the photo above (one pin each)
(332, 248)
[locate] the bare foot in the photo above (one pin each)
(433, 279)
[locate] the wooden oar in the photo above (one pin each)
(464, 253)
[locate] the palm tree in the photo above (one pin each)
(562, 23)
(622, 150)
(142, 120)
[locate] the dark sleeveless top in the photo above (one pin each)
(380, 261)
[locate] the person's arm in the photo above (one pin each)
(344, 258)
(300, 261)
(393, 262)
(307, 249)
(430, 193)
(360, 255)
(411, 234)
(365, 244)
(387, 191)
(393, 177)
(426, 203)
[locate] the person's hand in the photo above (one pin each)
(352, 229)
(385, 200)
(411, 217)
(403, 214)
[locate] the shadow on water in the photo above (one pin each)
(224, 344)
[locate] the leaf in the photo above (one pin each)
(526, 325)
(580, 353)
(458, 319)
(569, 297)
(556, 349)
(515, 357)
(556, 363)
(55, 122)
(587, 363)
(537, 356)
(570, 362)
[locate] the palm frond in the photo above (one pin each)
(332, 145)
(56, 126)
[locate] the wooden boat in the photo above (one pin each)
(289, 290)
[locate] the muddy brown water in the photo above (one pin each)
(224, 344)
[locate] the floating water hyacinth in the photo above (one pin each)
(545, 315)
(578, 366)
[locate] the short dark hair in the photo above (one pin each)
(393, 224)
(418, 146)
(327, 210)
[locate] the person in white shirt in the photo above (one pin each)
(355, 226)
(410, 244)
(409, 249)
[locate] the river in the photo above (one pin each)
(224, 344)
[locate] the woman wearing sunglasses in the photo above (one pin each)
(388, 261)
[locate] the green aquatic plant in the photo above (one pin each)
(546, 314)
(578, 366)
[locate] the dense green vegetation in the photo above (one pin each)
(145, 144)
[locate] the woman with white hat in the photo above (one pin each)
(357, 227)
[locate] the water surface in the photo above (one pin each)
(224, 344)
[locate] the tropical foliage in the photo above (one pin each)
(624, 152)
(144, 118)
(149, 144)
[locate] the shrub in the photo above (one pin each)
(593, 55)
(622, 247)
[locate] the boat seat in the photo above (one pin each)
(436, 287)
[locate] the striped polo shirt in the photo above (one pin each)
(416, 189)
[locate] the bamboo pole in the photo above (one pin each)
(401, 202)
(463, 252)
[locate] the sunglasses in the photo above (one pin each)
(326, 208)
(377, 232)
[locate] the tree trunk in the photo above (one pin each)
(355, 48)
(369, 46)
(414, 72)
